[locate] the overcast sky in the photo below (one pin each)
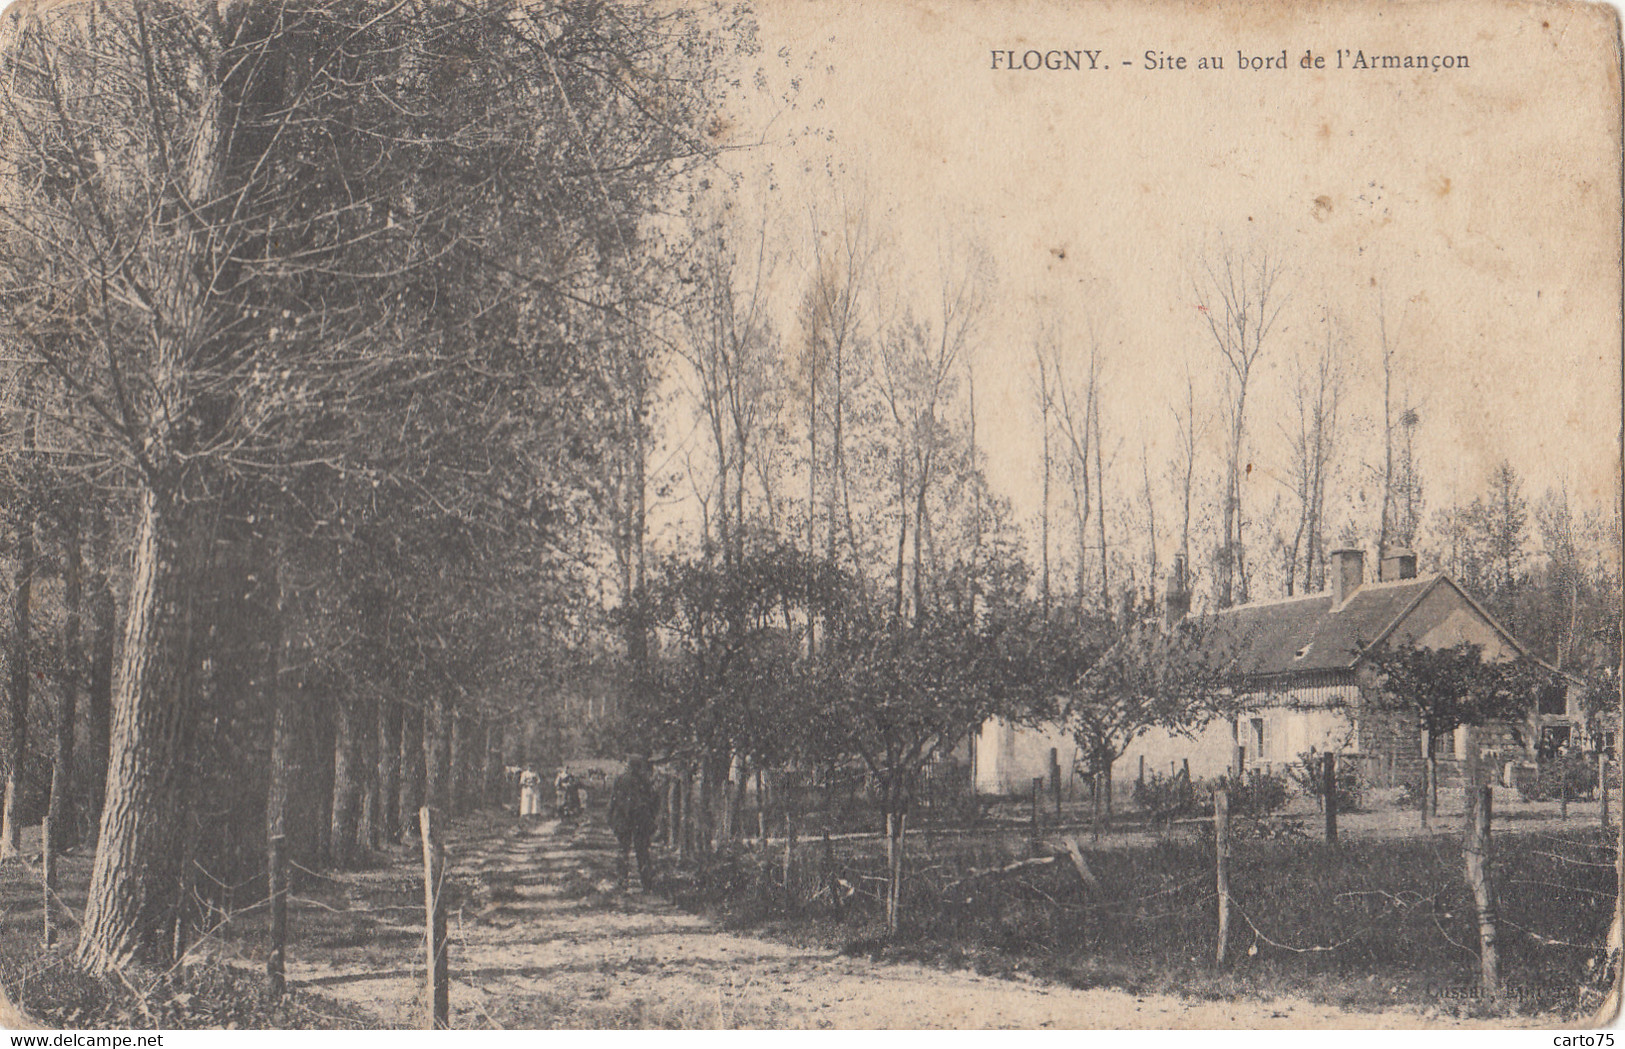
(1480, 206)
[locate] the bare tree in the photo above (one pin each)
(1188, 426)
(1385, 525)
(1316, 391)
(1077, 408)
(1150, 528)
(918, 379)
(1409, 503)
(732, 350)
(1402, 504)
(1045, 405)
(832, 317)
(1240, 302)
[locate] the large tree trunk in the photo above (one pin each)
(99, 691)
(284, 743)
(896, 836)
(346, 782)
(1106, 766)
(368, 816)
(489, 763)
(61, 803)
(703, 809)
(279, 787)
(389, 770)
(136, 898)
(437, 754)
(411, 770)
(457, 766)
(17, 701)
(314, 795)
(134, 903)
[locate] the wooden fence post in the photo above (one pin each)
(438, 983)
(276, 867)
(1055, 780)
(47, 882)
(1221, 841)
(1329, 785)
(1476, 858)
(1038, 788)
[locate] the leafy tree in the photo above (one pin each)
(1147, 675)
(895, 696)
(291, 264)
(1446, 688)
(726, 682)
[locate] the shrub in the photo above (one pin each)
(1167, 797)
(1310, 777)
(1410, 795)
(1257, 793)
(1573, 774)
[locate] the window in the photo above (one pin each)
(1258, 737)
(1552, 739)
(1554, 700)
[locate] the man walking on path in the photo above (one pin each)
(633, 810)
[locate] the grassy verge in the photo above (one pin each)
(1363, 924)
(221, 986)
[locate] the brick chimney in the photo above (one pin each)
(1348, 574)
(1398, 563)
(1178, 602)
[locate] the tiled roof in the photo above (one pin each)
(1306, 634)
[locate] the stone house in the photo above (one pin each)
(1305, 675)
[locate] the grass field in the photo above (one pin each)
(1375, 921)
(1361, 924)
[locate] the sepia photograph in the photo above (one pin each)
(810, 514)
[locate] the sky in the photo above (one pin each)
(1476, 211)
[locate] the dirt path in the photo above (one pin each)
(547, 942)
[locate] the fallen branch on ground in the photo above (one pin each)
(1009, 868)
(1067, 847)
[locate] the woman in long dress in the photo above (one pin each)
(530, 794)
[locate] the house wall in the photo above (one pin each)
(1444, 619)
(1009, 756)
(1328, 714)
(1164, 752)
(1394, 750)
